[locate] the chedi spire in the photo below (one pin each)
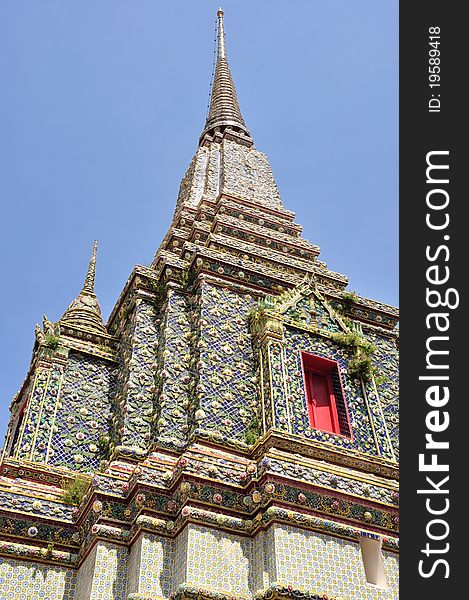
(224, 109)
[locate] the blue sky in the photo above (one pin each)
(101, 107)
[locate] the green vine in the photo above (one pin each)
(103, 446)
(380, 378)
(360, 366)
(52, 341)
(74, 490)
(252, 432)
(346, 302)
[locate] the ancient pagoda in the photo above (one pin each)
(231, 431)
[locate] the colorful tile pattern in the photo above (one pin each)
(83, 413)
(20, 580)
(151, 565)
(219, 560)
(330, 565)
(226, 388)
(136, 378)
(175, 371)
(386, 359)
(360, 399)
(103, 574)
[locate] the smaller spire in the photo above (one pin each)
(90, 276)
(84, 312)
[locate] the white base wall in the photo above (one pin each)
(24, 580)
(206, 558)
(103, 574)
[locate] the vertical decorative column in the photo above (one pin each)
(136, 389)
(268, 340)
(173, 374)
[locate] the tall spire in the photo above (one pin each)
(224, 108)
(84, 312)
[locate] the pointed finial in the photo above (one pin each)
(84, 312)
(90, 276)
(221, 34)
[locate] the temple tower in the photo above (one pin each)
(231, 431)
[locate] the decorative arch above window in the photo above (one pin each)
(325, 396)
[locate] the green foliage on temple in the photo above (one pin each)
(103, 446)
(52, 341)
(360, 365)
(74, 490)
(347, 301)
(252, 432)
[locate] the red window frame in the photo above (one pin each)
(324, 367)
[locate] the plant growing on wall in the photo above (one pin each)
(347, 301)
(360, 365)
(75, 489)
(103, 446)
(252, 432)
(52, 341)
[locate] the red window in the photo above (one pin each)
(324, 395)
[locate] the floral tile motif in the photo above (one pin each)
(175, 370)
(386, 358)
(83, 413)
(226, 368)
(220, 561)
(103, 575)
(23, 580)
(336, 569)
(136, 378)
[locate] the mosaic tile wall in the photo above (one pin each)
(207, 558)
(180, 558)
(246, 171)
(328, 565)
(226, 385)
(151, 565)
(103, 574)
(133, 562)
(86, 575)
(264, 568)
(40, 413)
(124, 353)
(220, 560)
(83, 413)
(193, 183)
(16, 421)
(110, 573)
(229, 168)
(21, 580)
(204, 557)
(68, 410)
